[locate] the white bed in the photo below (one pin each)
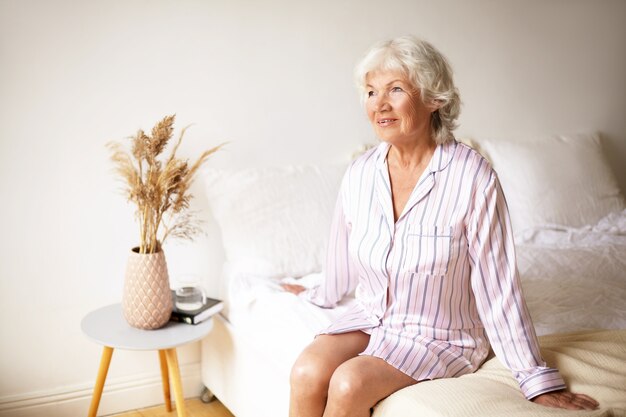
(571, 239)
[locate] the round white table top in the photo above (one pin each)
(108, 327)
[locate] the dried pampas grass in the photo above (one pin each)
(159, 187)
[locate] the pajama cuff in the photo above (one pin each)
(540, 382)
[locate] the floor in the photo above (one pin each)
(195, 408)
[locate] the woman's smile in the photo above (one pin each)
(384, 122)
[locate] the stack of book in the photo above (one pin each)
(209, 308)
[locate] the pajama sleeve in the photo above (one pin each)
(496, 287)
(340, 274)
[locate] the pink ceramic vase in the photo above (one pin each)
(147, 300)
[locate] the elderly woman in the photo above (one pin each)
(421, 233)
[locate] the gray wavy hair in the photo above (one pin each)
(427, 69)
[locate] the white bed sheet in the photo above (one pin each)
(280, 323)
(575, 279)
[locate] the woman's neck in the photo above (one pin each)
(411, 156)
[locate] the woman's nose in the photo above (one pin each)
(381, 102)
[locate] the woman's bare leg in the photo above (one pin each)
(359, 383)
(311, 374)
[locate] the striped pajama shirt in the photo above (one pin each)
(436, 287)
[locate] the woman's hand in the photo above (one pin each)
(293, 288)
(567, 400)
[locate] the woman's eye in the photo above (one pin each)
(396, 89)
(370, 93)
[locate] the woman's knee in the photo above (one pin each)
(346, 386)
(310, 373)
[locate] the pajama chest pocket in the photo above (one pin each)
(428, 249)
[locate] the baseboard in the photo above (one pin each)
(119, 395)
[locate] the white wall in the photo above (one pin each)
(272, 77)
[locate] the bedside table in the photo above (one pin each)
(107, 326)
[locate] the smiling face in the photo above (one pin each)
(395, 108)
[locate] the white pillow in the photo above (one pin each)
(274, 221)
(558, 179)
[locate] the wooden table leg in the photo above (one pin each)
(166, 380)
(105, 361)
(172, 364)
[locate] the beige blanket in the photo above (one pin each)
(591, 362)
